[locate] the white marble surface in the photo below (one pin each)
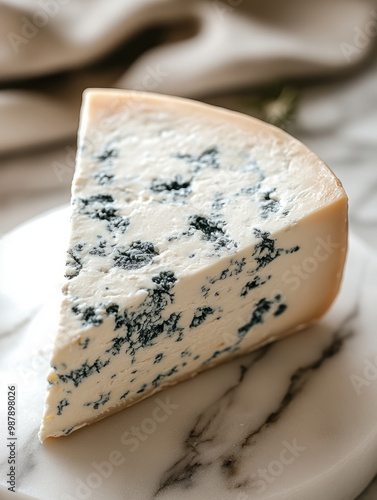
(338, 120)
(288, 422)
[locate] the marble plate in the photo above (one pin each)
(296, 420)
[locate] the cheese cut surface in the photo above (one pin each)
(197, 234)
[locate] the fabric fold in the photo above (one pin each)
(226, 46)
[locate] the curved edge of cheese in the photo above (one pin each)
(95, 101)
(327, 218)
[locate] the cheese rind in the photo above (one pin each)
(197, 234)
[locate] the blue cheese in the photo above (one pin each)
(197, 234)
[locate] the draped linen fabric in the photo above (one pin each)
(50, 50)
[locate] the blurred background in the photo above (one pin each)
(308, 67)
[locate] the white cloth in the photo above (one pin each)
(209, 46)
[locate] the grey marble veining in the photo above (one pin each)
(204, 445)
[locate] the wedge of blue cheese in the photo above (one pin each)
(197, 234)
